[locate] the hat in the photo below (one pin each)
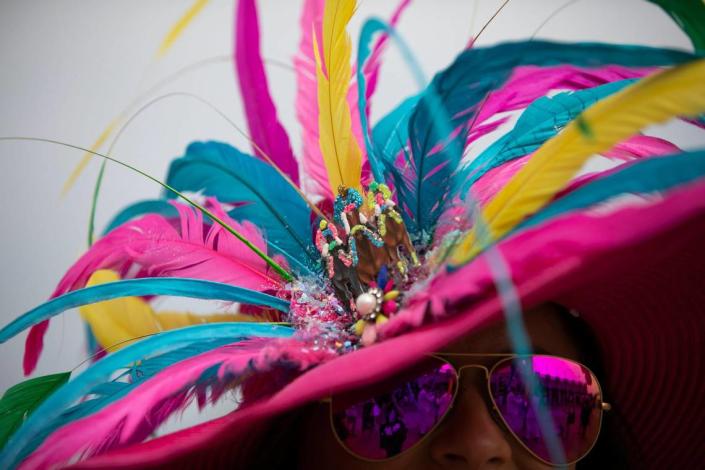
(408, 247)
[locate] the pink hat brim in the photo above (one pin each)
(636, 275)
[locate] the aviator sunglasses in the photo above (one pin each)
(384, 420)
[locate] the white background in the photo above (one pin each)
(68, 68)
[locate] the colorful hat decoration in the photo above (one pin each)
(409, 251)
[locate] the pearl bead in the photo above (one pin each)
(365, 304)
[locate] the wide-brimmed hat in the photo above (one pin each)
(620, 248)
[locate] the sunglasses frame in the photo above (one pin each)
(502, 359)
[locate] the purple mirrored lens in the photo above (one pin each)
(569, 394)
(396, 414)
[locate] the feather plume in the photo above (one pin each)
(181, 25)
(133, 419)
(311, 23)
(105, 369)
(339, 147)
(675, 92)
(157, 248)
(689, 15)
(192, 288)
(264, 197)
(423, 189)
(645, 177)
(115, 322)
(265, 129)
(22, 399)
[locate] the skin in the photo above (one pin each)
(469, 437)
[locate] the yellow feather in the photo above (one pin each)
(117, 321)
(166, 44)
(180, 26)
(341, 153)
(679, 91)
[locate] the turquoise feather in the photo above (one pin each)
(541, 121)
(219, 170)
(102, 371)
(648, 176)
(193, 288)
(424, 191)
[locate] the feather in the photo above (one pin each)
(115, 322)
(644, 177)
(311, 23)
(542, 120)
(528, 83)
(689, 15)
(115, 389)
(133, 419)
(137, 209)
(191, 288)
(369, 29)
(265, 129)
(639, 146)
(21, 400)
(373, 64)
(181, 25)
(104, 369)
(424, 189)
(339, 147)
(270, 202)
(364, 83)
(157, 249)
(678, 91)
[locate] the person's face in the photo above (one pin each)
(469, 437)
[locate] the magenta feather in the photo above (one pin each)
(528, 83)
(265, 128)
(307, 98)
(135, 417)
(152, 247)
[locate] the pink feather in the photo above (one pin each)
(265, 129)
(528, 83)
(136, 416)
(154, 247)
(307, 98)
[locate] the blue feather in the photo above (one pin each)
(103, 370)
(219, 170)
(166, 209)
(541, 121)
(648, 176)
(193, 288)
(109, 392)
(369, 29)
(436, 150)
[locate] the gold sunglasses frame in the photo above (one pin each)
(502, 359)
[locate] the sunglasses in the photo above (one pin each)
(389, 418)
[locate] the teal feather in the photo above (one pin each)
(648, 176)
(541, 121)
(103, 370)
(436, 152)
(193, 288)
(219, 170)
(111, 391)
